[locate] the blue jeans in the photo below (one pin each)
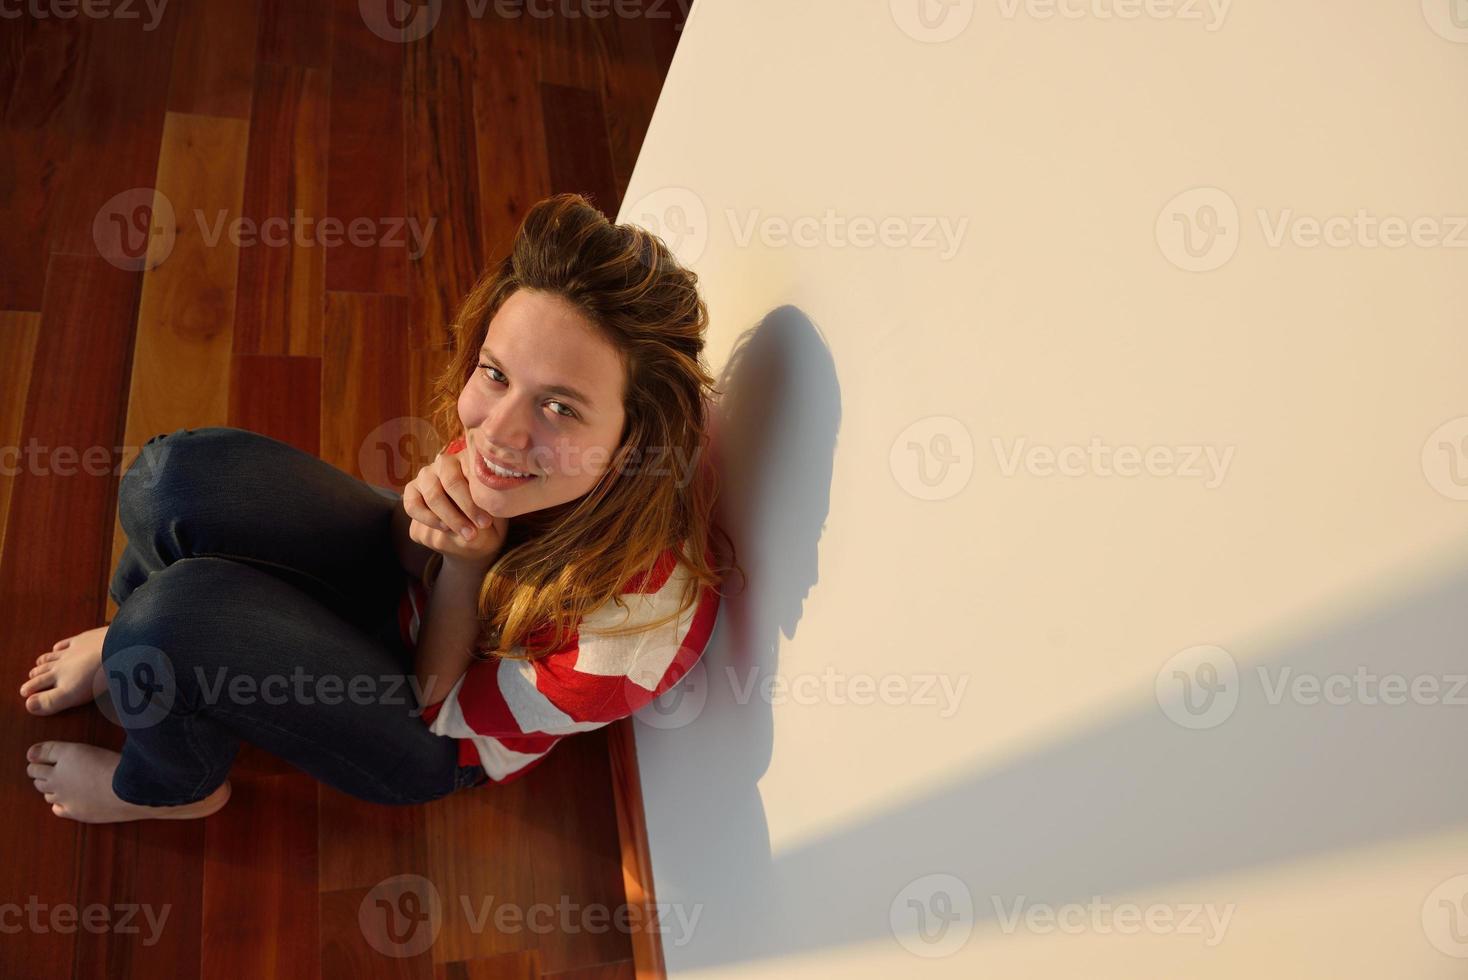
(257, 600)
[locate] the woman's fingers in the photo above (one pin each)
(418, 509)
(444, 508)
(450, 469)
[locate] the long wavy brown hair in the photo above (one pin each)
(562, 562)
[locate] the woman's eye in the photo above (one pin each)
(569, 412)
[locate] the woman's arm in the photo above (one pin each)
(450, 628)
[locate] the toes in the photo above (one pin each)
(62, 644)
(40, 682)
(38, 668)
(47, 658)
(43, 751)
(44, 703)
(50, 797)
(58, 809)
(40, 771)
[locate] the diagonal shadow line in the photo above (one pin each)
(1128, 805)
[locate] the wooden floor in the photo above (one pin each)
(253, 109)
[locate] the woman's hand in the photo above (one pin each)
(444, 515)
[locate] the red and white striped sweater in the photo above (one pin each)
(508, 714)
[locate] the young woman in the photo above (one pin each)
(551, 571)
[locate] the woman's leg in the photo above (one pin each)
(231, 493)
(209, 652)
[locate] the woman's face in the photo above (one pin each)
(545, 400)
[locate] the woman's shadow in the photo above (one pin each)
(704, 746)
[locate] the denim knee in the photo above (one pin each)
(164, 479)
(155, 637)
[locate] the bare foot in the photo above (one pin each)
(76, 780)
(64, 677)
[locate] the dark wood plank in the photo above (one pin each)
(364, 386)
(282, 286)
(480, 852)
(295, 33)
(153, 865)
(578, 858)
(365, 174)
(60, 519)
(442, 178)
(279, 397)
(576, 145)
(39, 74)
(510, 133)
(260, 874)
(373, 862)
(214, 58)
(116, 123)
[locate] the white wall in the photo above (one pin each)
(875, 395)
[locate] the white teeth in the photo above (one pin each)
(500, 469)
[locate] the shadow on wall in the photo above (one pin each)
(1138, 802)
(702, 752)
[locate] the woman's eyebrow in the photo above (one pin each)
(549, 389)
